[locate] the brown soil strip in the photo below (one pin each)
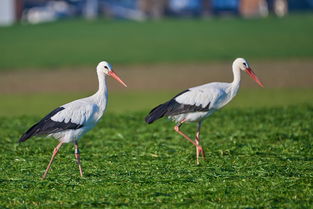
(278, 74)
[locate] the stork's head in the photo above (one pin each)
(106, 68)
(243, 65)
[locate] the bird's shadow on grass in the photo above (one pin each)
(284, 158)
(21, 181)
(93, 204)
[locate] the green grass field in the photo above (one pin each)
(82, 43)
(259, 147)
(256, 158)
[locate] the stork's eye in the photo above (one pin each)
(106, 67)
(245, 64)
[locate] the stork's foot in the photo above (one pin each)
(77, 156)
(199, 151)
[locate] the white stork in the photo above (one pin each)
(197, 103)
(69, 122)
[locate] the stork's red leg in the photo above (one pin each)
(77, 156)
(177, 129)
(197, 140)
(55, 151)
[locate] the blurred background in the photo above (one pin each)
(37, 11)
(49, 50)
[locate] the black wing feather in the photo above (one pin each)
(172, 108)
(47, 126)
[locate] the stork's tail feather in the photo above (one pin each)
(29, 133)
(156, 113)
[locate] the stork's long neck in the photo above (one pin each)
(102, 93)
(236, 82)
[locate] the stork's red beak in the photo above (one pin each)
(113, 74)
(254, 77)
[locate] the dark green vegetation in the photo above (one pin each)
(256, 158)
(83, 43)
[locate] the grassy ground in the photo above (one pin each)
(82, 43)
(256, 158)
(258, 148)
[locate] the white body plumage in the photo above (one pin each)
(87, 112)
(197, 103)
(215, 95)
(69, 122)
